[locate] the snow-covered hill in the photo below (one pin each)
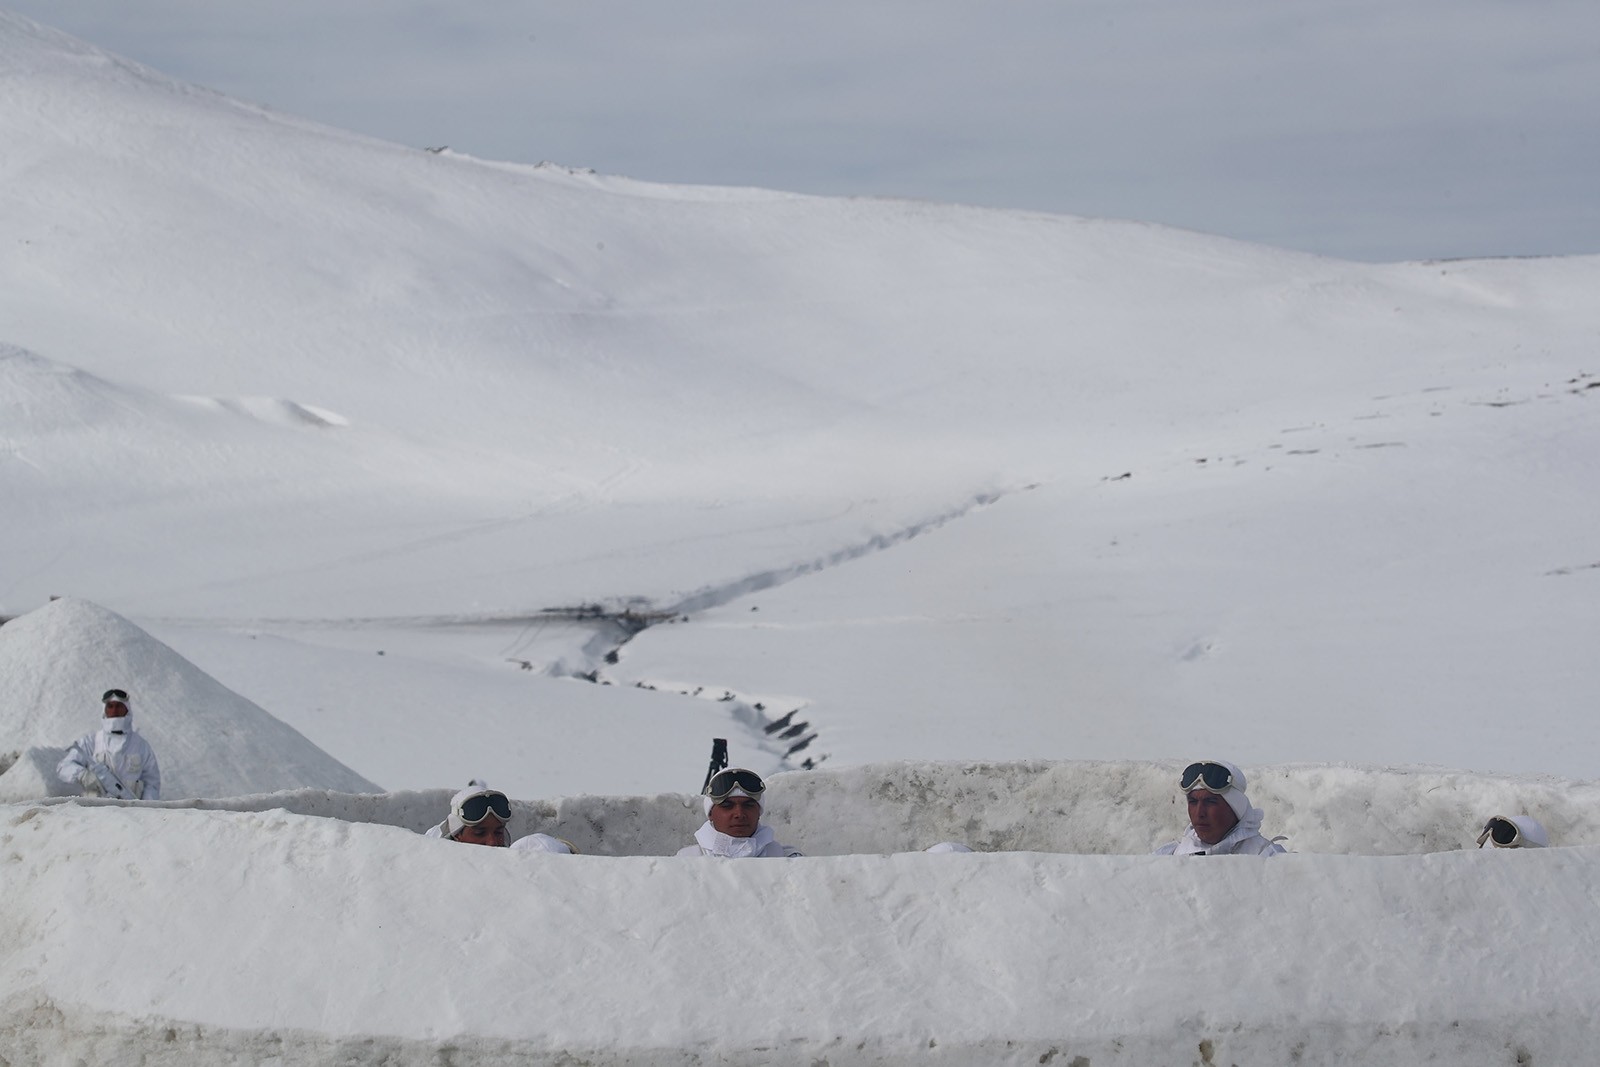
(291, 398)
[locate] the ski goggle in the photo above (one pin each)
(1212, 776)
(723, 782)
(479, 806)
(1502, 833)
(119, 695)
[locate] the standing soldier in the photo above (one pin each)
(115, 760)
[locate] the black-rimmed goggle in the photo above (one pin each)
(480, 806)
(723, 782)
(1503, 833)
(1212, 776)
(119, 695)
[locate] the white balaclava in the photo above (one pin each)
(1236, 798)
(117, 724)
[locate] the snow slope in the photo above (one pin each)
(391, 400)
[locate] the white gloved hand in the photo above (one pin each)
(91, 784)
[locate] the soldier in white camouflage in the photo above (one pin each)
(115, 760)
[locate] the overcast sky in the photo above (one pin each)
(1370, 129)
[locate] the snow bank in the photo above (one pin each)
(305, 938)
(56, 661)
(1131, 806)
(1077, 806)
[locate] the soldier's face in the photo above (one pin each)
(116, 709)
(735, 816)
(1210, 816)
(491, 831)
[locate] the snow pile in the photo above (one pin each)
(56, 661)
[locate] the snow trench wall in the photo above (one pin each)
(271, 937)
(1078, 807)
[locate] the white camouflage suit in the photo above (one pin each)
(708, 842)
(123, 751)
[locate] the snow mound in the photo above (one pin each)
(39, 396)
(270, 409)
(1015, 957)
(56, 661)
